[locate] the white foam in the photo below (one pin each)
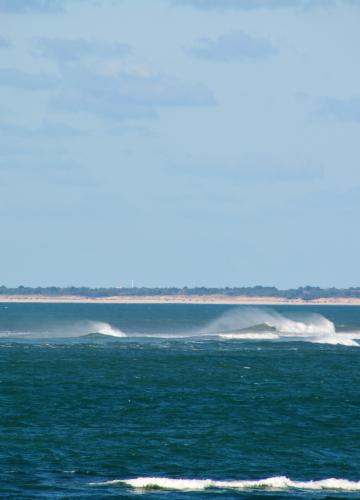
(14, 334)
(106, 329)
(310, 327)
(66, 330)
(271, 483)
(249, 336)
(336, 339)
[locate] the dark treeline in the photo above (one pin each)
(306, 293)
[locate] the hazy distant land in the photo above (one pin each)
(196, 295)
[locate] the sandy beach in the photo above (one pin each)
(176, 299)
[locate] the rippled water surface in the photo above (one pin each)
(97, 399)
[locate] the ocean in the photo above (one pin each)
(179, 401)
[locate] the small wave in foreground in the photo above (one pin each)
(271, 483)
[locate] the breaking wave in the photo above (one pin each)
(242, 323)
(105, 329)
(67, 331)
(267, 324)
(271, 483)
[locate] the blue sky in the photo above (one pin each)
(179, 142)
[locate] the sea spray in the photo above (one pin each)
(68, 330)
(105, 329)
(235, 323)
(254, 323)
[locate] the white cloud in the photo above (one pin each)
(28, 6)
(22, 80)
(121, 91)
(72, 49)
(231, 47)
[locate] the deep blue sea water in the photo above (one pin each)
(94, 397)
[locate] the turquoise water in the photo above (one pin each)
(94, 397)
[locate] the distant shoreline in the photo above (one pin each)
(176, 299)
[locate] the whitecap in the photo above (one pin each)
(105, 329)
(254, 323)
(271, 483)
(249, 336)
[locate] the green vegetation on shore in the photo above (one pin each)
(305, 293)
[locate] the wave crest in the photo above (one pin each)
(76, 329)
(271, 483)
(105, 329)
(262, 324)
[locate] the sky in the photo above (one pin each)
(179, 142)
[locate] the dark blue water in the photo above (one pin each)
(79, 409)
